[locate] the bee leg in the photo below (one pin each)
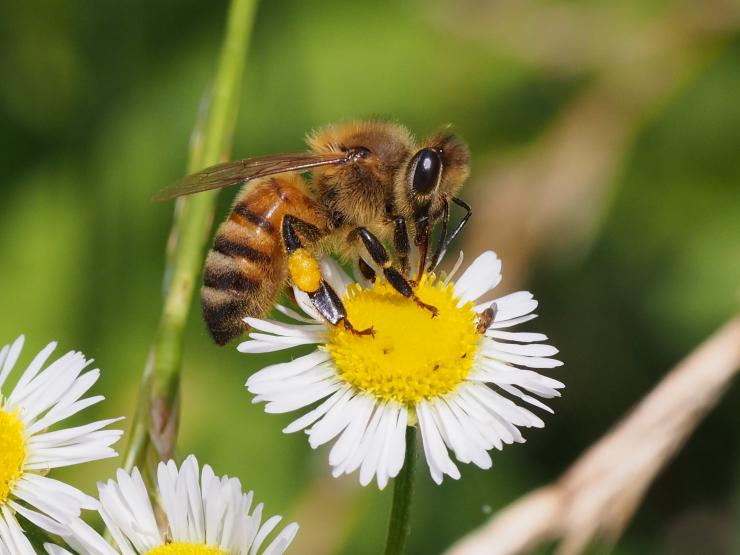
(367, 272)
(293, 226)
(380, 256)
(306, 275)
(460, 225)
(442, 237)
(421, 240)
(401, 243)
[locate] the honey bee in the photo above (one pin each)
(370, 183)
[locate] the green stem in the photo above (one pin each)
(156, 418)
(403, 488)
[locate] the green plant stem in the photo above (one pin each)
(403, 489)
(156, 417)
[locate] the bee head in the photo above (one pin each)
(433, 175)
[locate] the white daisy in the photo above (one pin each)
(203, 515)
(451, 375)
(40, 399)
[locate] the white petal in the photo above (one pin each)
(305, 304)
(511, 306)
(491, 351)
(450, 276)
(305, 331)
(349, 441)
(509, 323)
(282, 541)
(530, 349)
(11, 535)
(481, 276)
(335, 275)
(290, 313)
(285, 370)
(434, 447)
(9, 356)
(521, 337)
(311, 417)
(335, 420)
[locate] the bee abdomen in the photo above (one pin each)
(235, 249)
(246, 268)
(236, 283)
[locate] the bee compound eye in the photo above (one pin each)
(427, 167)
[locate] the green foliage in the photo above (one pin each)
(96, 108)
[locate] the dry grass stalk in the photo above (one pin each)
(599, 494)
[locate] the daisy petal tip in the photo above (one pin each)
(244, 347)
(485, 465)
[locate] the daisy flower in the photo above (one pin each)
(203, 515)
(41, 398)
(456, 376)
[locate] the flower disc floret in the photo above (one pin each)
(412, 356)
(12, 452)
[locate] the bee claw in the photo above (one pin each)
(430, 308)
(367, 331)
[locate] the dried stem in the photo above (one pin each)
(156, 418)
(599, 494)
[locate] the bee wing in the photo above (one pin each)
(240, 171)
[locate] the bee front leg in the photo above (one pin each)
(305, 273)
(401, 243)
(438, 251)
(380, 256)
(443, 246)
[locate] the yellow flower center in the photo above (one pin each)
(12, 452)
(185, 548)
(413, 356)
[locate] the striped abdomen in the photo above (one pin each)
(246, 268)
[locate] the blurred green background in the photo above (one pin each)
(606, 172)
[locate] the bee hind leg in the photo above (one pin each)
(380, 256)
(305, 273)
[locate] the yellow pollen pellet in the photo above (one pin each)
(412, 356)
(304, 270)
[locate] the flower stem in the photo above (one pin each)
(156, 418)
(403, 487)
